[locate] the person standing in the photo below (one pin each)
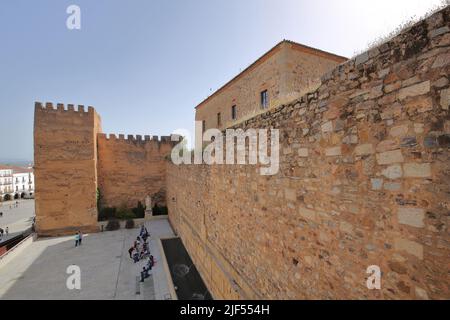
(77, 239)
(80, 237)
(7, 231)
(130, 252)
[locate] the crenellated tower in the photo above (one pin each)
(65, 157)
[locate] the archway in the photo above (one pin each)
(7, 197)
(16, 196)
(22, 195)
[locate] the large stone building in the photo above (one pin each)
(281, 75)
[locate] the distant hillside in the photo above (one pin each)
(16, 162)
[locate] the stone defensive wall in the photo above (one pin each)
(130, 168)
(73, 160)
(65, 159)
(363, 180)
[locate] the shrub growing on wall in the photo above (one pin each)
(139, 211)
(124, 213)
(113, 225)
(106, 213)
(159, 211)
(129, 224)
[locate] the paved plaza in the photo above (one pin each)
(17, 219)
(107, 272)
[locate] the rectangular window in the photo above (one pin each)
(264, 99)
(219, 120)
(233, 113)
(203, 126)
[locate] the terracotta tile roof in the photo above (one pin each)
(16, 169)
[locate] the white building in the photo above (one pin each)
(17, 183)
(6, 183)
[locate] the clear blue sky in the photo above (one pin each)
(144, 65)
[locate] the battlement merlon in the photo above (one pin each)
(139, 138)
(60, 107)
(69, 111)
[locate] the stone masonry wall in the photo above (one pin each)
(131, 169)
(65, 169)
(364, 180)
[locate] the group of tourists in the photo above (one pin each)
(140, 251)
(140, 248)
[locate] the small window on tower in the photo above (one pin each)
(233, 113)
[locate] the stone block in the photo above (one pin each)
(399, 131)
(421, 293)
(445, 99)
(386, 145)
(439, 31)
(303, 152)
(392, 186)
(411, 216)
(364, 149)
(411, 247)
(334, 151)
(414, 90)
(417, 170)
(389, 157)
(441, 60)
(377, 183)
(393, 172)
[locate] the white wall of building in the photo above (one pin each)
(23, 184)
(6, 182)
(16, 182)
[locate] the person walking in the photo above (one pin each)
(7, 231)
(130, 252)
(77, 239)
(80, 237)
